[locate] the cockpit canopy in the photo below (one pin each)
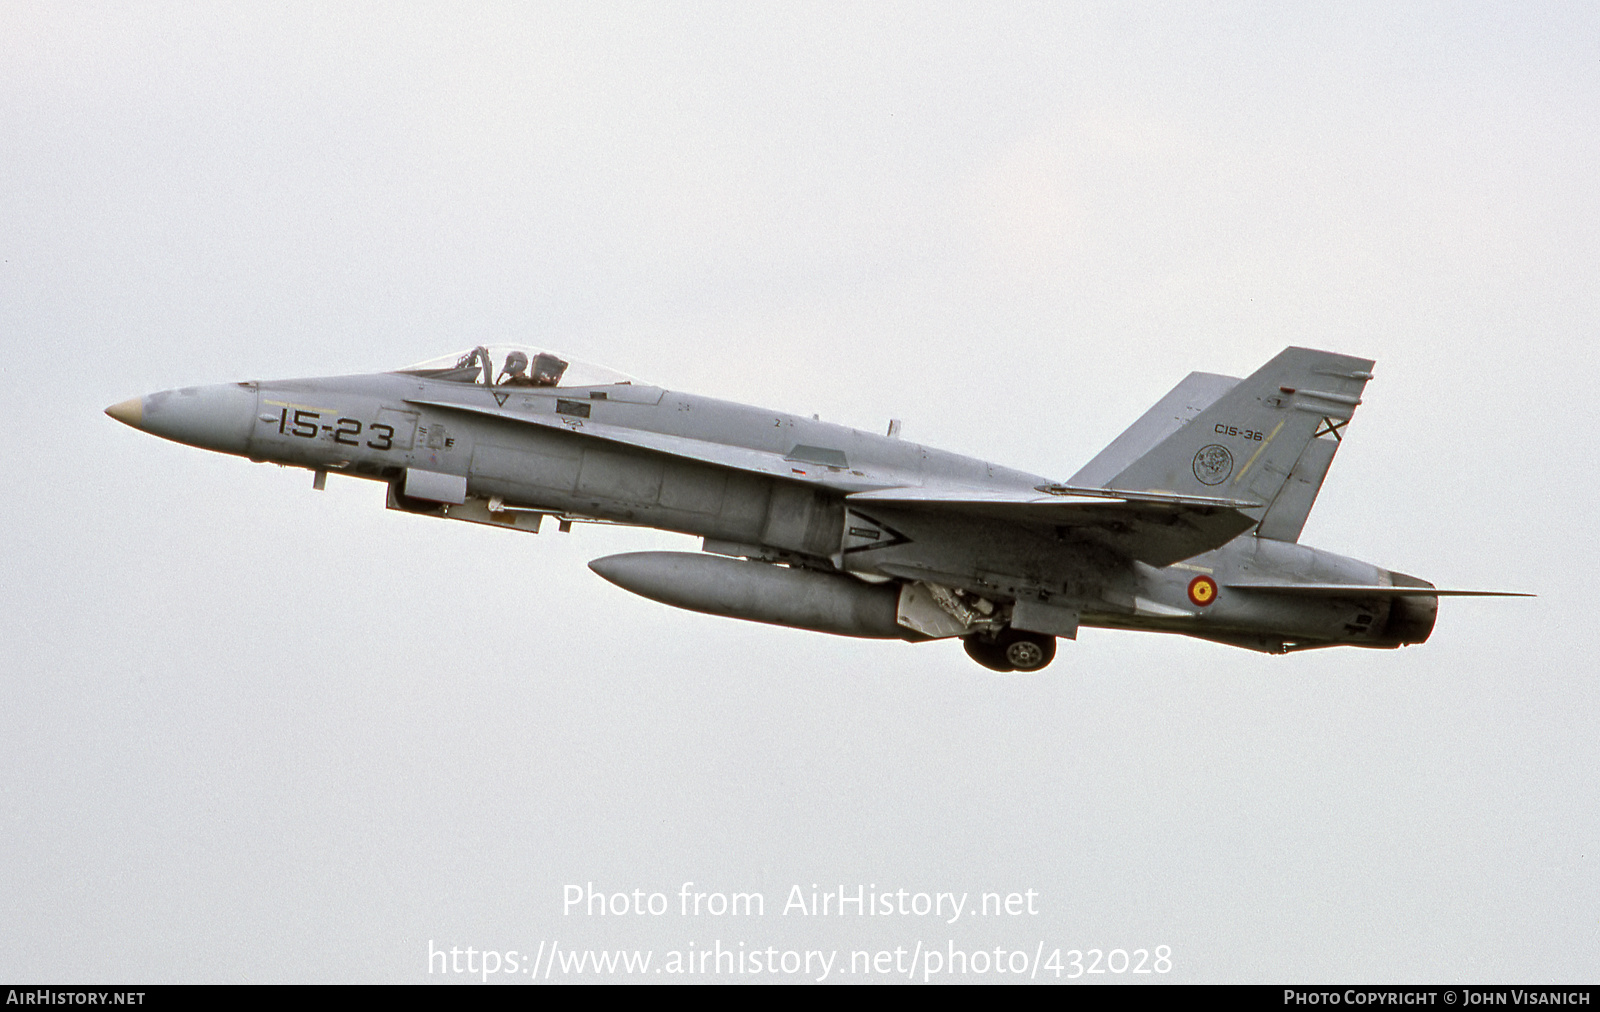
(514, 365)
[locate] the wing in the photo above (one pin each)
(1153, 527)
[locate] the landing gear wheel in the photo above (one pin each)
(1011, 650)
(1027, 651)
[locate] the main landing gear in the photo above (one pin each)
(1011, 649)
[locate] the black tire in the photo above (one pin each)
(987, 652)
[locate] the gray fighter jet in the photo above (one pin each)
(1187, 523)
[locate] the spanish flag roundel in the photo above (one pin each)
(1202, 590)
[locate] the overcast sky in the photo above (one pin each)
(258, 732)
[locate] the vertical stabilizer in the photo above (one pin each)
(1286, 517)
(1197, 391)
(1249, 442)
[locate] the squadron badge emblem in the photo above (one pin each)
(1213, 464)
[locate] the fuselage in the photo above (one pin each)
(759, 485)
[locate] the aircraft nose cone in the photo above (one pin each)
(129, 412)
(218, 417)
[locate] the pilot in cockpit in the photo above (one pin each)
(544, 371)
(514, 373)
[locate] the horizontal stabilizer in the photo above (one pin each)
(1357, 590)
